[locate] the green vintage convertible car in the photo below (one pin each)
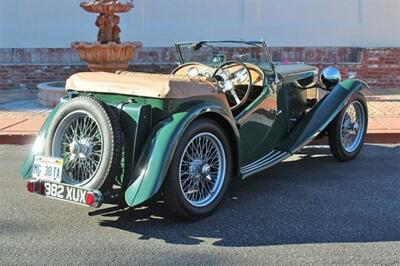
(227, 111)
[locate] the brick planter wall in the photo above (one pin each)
(25, 68)
(28, 76)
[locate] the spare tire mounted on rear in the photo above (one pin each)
(87, 135)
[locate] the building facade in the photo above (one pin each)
(361, 37)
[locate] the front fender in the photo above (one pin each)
(159, 149)
(321, 115)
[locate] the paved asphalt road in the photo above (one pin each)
(310, 209)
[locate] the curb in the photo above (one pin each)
(17, 139)
(374, 137)
(383, 137)
(370, 138)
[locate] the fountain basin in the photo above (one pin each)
(106, 57)
(106, 8)
(50, 93)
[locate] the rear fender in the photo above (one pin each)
(153, 164)
(26, 168)
(315, 121)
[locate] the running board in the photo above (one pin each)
(264, 162)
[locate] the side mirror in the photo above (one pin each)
(330, 77)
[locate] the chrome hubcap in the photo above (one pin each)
(74, 147)
(202, 169)
(206, 170)
(81, 149)
(79, 141)
(353, 126)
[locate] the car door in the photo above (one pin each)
(257, 125)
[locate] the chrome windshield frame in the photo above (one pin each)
(260, 44)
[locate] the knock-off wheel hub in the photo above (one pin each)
(206, 169)
(80, 149)
(355, 126)
(200, 168)
(74, 147)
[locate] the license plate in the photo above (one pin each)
(65, 192)
(47, 168)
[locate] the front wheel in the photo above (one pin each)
(200, 171)
(347, 132)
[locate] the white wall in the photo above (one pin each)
(56, 23)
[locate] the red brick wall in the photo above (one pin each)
(28, 76)
(380, 68)
(25, 68)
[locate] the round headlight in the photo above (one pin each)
(330, 77)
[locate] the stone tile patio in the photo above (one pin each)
(19, 119)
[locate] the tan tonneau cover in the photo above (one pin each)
(140, 84)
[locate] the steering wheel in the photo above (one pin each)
(228, 78)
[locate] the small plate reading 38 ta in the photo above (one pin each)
(47, 168)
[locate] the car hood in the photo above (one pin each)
(292, 69)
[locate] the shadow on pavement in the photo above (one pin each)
(312, 199)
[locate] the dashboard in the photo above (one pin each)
(194, 70)
(198, 69)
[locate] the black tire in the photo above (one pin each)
(111, 149)
(337, 147)
(175, 198)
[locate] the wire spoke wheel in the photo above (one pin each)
(352, 126)
(86, 134)
(78, 140)
(347, 131)
(202, 169)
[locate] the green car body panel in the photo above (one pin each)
(152, 166)
(321, 115)
(26, 168)
(272, 127)
(155, 159)
(152, 132)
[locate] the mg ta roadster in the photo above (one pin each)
(227, 111)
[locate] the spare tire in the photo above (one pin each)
(85, 133)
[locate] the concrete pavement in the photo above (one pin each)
(308, 210)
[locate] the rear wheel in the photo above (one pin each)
(87, 136)
(200, 171)
(347, 132)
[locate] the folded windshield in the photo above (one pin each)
(214, 53)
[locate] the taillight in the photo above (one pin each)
(89, 198)
(29, 186)
(35, 186)
(93, 199)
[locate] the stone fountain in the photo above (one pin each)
(108, 53)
